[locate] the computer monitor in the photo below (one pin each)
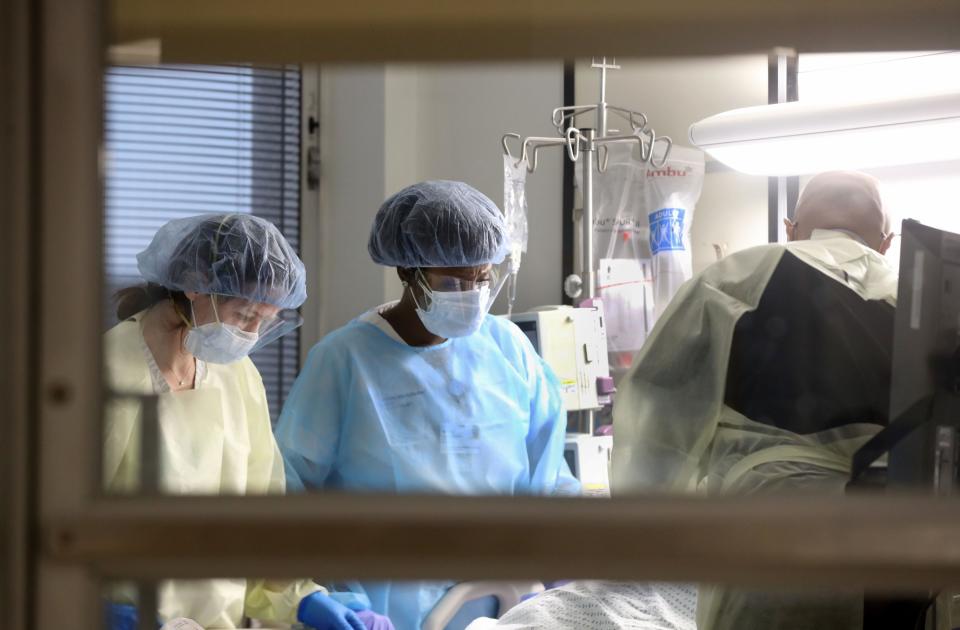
(926, 359)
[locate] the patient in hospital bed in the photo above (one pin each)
(589, 605)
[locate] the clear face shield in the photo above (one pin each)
(454, 301)
(265, 320)
(487, 281)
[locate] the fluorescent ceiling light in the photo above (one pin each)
(800, 138)
(845, 77)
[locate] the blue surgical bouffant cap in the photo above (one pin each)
(438, 224)
(237, 255)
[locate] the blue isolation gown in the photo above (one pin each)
(476, 415)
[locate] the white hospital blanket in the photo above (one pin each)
(603, 606)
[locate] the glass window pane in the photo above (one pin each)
(699, 359)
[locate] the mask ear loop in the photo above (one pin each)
(425, 288)
(213, 301)
(193, 313)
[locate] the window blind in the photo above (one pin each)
(182, 140)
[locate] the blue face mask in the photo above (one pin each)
(455, 313)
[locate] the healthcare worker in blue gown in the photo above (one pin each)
(428, 394)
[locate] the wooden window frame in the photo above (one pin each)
(76, 538)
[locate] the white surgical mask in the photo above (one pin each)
(455, 313)
(217, 342)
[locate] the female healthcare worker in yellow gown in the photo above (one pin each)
(218, 287)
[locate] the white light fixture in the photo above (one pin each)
(800, 138)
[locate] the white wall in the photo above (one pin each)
(464, 112)
(352, 186)
(674, 93)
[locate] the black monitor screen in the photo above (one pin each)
(926, 343)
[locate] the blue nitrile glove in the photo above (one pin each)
(321, 612)
(120, 616)
(375, 621)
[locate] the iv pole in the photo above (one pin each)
(593, 142)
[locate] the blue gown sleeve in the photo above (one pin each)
(549, 473)
(308, 431)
